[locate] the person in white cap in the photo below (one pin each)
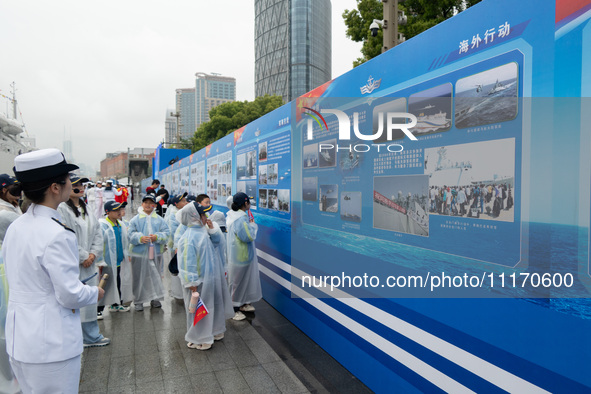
(90, 198)
(98, 203)
(109, 193)
(43, 331)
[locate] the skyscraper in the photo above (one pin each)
(170, 135)
(292, 46)
(211, 90)
(185, 107)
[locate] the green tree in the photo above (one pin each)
(421, 14)
(227, 117)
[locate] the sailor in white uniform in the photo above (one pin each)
(43, 331)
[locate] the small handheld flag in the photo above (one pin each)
(200, 312)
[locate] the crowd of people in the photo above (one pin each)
(471, 200)
(73, 232)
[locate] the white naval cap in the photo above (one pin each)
(40, 165)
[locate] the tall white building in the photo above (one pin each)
(170, 135)
(211, 90)
(185, 107)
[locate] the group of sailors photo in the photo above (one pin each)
(72, 254)
(471, 200)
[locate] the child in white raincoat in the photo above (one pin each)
(201, 270)
(243, 265)
(176, 203)
(116, 243)
(148, 234)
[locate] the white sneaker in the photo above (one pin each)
(102, 342)
(118, 308)
(200, 346)
(239, 316)
(99, 316)
(218, 337)
(139, 307)
(247, 308)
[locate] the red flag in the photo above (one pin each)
(200, 312)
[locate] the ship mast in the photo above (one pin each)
(13, 91)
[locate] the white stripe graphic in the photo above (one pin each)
(423, 369)
(490, 372)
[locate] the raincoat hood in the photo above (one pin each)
(233, 216)
(189, 217)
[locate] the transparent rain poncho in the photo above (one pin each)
(110, 257)
(147, 279)
(90, 240)
(200, 266)
(170, 218)
(243, 265)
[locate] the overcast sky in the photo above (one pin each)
(106, 72)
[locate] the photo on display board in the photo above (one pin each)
(487, 97)
(241, 166)
(272, 173)
(185, 179)
(310, 156)
(263, 198)
(351, 206)
(328, 155)
(310, 188)
(251, 164)
(251, 192)
(263, 151)
(350, 160)
(329, 198)
(241, 187)
(479, 177)
(433, 109)
(400, 203)
(263, 175)
(283, 201)
(229, 190)
(272, 201)
(392, 105)
(226, 167)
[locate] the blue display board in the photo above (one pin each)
(500, 94)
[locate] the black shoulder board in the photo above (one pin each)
(63, 225)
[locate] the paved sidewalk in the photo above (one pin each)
(148, 354)
(265, 353)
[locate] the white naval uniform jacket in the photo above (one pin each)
(41, 262)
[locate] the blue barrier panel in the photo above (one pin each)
(494, 197)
